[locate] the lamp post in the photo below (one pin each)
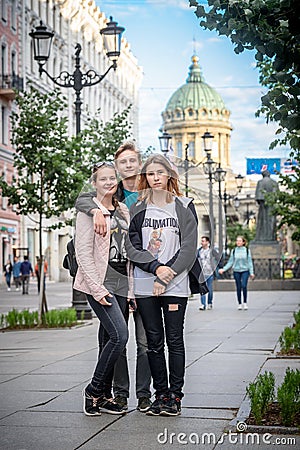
(42, 40)
(165, 142)
(220, 175)
(209, 167)
(186, 169)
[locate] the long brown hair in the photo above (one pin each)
(145, 192)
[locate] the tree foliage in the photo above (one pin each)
(51, 167)
(272, 29)
(45, 176)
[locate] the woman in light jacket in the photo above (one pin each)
(102, 274)
(241, 261)
(163, 248)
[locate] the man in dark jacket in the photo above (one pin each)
(26, 270)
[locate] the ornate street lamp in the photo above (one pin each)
(42, 39)
(209, 169)
(165, 142)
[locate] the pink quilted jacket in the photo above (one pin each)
(92, 251)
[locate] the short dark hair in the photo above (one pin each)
(25, 257)
(205, 237)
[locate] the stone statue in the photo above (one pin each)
(266, 221)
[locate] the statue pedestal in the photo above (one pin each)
(266, 256)
(265, 250)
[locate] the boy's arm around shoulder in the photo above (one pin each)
(85, 203)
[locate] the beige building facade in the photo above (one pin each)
(72, 22)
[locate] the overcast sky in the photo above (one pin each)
(163, 35)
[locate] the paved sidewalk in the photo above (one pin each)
(42, 374)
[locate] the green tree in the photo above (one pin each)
(235, 229)
(271, 29)
(100, 140)
(51, 167)
(44, 162)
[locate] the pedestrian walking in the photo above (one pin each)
(209, 259)
(102, 274)
(241, 261)
(37, 272)
(7, 270)
(26, 270)
(165, 276)
(17, 272)
(128, 164)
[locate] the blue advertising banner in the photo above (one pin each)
(255, 166)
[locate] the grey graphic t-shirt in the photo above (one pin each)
(160, 231)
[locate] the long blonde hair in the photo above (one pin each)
(145, 192)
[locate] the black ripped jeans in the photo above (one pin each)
(164, 317)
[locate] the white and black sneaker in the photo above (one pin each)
(90, 405)
(109, 406)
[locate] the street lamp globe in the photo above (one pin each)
(220, 174)
(164, 142)
(112, 35)
(207, 142)
(236, 202)
(239, 181)
(42, 40)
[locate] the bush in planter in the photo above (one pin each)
(288, 396)
(261, 393)
(290, 337)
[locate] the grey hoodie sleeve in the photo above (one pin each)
(85, 203)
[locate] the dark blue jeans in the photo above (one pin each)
(241, 281)
(209, 284)
(164, 316)
(113, 321)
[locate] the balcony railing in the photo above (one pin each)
(11, 82)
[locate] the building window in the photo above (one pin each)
(179, 149)
(4, 199)
(4, 10)
(4, 125)
(192, 149)
(3, 60)
(13, 63)
(14, 15)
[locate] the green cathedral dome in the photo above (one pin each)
(195, 94)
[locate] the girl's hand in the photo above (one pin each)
(104, 301)
(221, 271)
(158, 289)
(165, 273)
(100, 226)
(132, 304)
(252, 276)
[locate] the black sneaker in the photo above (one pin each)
(144, 404)
(90, 405)
(108, 405)
(122, 402)
(172, 407)
(156, 407)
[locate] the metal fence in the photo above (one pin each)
(11, 82)
(264, 269)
